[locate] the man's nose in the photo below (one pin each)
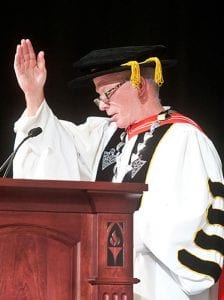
(103, 106)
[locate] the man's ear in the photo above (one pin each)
(141, 87)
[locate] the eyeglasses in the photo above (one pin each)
(107, 95)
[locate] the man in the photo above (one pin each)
(178, 230)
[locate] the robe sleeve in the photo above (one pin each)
(63, 150)
(180, 220)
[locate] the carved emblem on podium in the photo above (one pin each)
(115, 247)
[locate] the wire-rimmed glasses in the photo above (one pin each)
(105, 97)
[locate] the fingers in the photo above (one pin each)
(25, 56)
(30, 69)
(29, 54)
(21, 57)
(17, 60)
(41, 60)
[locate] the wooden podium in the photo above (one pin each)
(67, 240)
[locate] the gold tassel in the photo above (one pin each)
(158, 76)
(135, 71)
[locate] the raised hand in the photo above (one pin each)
(31, 74)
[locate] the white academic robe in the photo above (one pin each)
(172, 210)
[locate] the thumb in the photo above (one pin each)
(41, 60)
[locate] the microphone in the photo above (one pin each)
(8, 163)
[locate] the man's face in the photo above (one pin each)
(118, 99)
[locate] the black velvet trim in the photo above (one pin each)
(198, 265)
(107, 173)
(216, 188)
(209, 242)
(147, 153)
(215, 216)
